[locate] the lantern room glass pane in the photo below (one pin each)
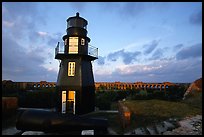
(73, 45)
(76, 22)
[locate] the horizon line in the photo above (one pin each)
(101, 81)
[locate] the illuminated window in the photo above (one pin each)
(71, 68)
(73, 45)
(63, 101)
(82, 41)
(71, 101)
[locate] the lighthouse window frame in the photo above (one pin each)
(71, 69)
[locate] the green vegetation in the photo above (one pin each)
(9, 92)
(44, 98)
(105, 98)
(194, 99)
(39, 97)
(147, 112)
(161, 108)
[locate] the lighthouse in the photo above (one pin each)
(75, 82)
(75, 89)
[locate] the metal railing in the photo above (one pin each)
(58, 48)
(92, 51)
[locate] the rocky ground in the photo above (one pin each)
(187, 126)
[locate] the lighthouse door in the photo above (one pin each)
(71, 102)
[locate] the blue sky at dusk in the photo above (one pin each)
(148, 42)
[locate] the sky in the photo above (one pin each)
(136, 41)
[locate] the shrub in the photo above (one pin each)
(39, 99)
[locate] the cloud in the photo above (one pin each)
(115, 55)
(130, 10)
(128, 57)
(78, 6)
(180, 70)
(157, 54)
(46, 37)
(41, 33)
(22, 58)
(150, 46)
(196, 18)
(53, 39)
(131, 69)
(193, 51)
(22, 17)
(8, 24)
(125, 10)
(157, 71)
(19, 65)
(22, 65)
(177, 47)
(101, 60)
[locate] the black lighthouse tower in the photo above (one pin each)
(75, 83)
(75, 88)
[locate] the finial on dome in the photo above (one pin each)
(77, 14)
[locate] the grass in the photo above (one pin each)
(161, 108)
(149, 112)
(194, 100)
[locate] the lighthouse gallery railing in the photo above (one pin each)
(92, 51)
